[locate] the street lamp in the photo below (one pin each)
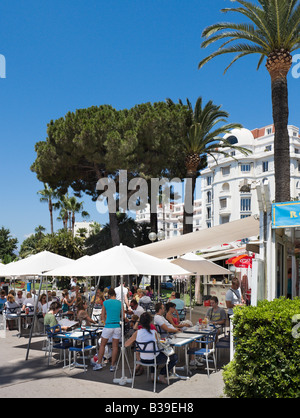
(159, 236)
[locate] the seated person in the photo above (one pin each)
(179, 306)
(172, 316)
(215, 314)
(149, 292)
(3, 300)
(144, 298)
(50, 319)
(11, 307)
(82, 314)
(135, 308)
(162, 322)
(28, 302)
(19, 299)
(145, 334)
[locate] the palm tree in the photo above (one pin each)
(273, 32)
(76, 207)
(48, 194)
(69, 206)
(202, 139)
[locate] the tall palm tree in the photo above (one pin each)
(204, 138)
(69, 206)
(273, 32)
(76, 207)
(48, 194)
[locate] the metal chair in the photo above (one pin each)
(209, 349)
(148, 347)
(52, 332)
(85, 346)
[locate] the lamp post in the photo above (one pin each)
(152, 237)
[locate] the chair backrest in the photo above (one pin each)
(52, 331)
(13, 310)
(148, 347)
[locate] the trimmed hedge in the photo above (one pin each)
(266, 363)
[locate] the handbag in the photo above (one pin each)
(164, 346)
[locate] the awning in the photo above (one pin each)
(205, 238)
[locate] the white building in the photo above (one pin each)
(170, 217)
(228, 185)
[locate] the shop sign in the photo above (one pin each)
(285, 214)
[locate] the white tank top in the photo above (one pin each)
(144, 336)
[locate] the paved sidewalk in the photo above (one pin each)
(34, 379)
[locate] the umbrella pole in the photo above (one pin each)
(34, 316)
(123, 379)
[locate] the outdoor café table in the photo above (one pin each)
(78, 335)
(183, 340)
(19, 317)
(198, 330)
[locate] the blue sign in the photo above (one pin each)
(285, 214)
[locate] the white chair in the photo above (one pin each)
(148, 347)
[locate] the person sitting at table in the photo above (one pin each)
(82, 314)
(172, 297)
(144, 299)
(179, 306)
(46, 306)
(28, 302)
(50, 319)
(173, 317)
(67, 303)
(162, 322)
(10, 307)
(215, 314)
(146, 334)
(136, 309)
(149, 292)
(98, 299)
(3, 300)
(19, 298)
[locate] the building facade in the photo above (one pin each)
(228, 185)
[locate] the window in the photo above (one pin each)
(208, 212)
(268, 131)
(265, 166)
(208, 197)
(225, 219)
(223, 203)
(232, 153)
(208, 181)
(225, 170)
(268, 148)
(297, 151)
(245, 168)
(232, 139)
(246, 204)
(208, 224)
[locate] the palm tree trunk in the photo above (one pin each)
(189, 203)
(51, 215)
(114, 229)
(281, 139)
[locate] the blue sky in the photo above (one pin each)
(62, 55)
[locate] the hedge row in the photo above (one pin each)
(266, 363)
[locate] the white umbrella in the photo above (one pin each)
(199, 265)
(118, 261)
(36, 265)
(2, 269)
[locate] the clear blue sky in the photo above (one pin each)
(63, 55)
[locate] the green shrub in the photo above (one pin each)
(266, 363)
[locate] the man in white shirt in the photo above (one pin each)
(161, 321)
(136, 309)
(118, 294)
(19, 299)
